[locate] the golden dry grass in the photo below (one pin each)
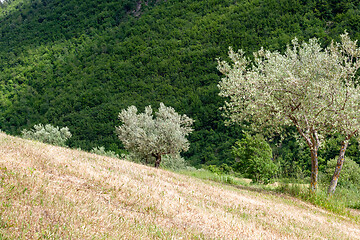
(48, 192)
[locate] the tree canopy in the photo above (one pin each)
(148, 136)
(308, 87)
(78, 63)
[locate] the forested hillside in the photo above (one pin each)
(78, 63)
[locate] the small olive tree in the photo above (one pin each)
(48, 134)
(156, 136)
(308, 87)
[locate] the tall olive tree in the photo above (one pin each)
(348, 110)
(348, 126)
(147, 135)
(307, 87)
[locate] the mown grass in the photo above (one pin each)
(49, 192)
(339, 203)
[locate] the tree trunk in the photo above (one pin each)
(338, 168)
(312, 141)
(314, 170)
(157, 160)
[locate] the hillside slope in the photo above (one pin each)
(53, 192)
(77, 64)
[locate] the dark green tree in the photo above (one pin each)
(254, 159)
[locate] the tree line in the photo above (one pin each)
(78, 64)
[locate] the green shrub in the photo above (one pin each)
(101, 151)
(173, 162)
(213, 169)
(222, 169)
(253, 157)
(348, 187)
(356, 205)
(349, 175)
(47, 134)
(320, 199)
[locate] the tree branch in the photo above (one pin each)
(294, 120)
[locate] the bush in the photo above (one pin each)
(222, 169)
(101, 151)
(349, 175)
(173, 162)
(253, 157)
(47, 134)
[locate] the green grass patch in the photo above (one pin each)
(338, 203)
(208, 175)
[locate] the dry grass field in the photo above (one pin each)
(49, 192)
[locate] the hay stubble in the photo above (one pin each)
(53, 192)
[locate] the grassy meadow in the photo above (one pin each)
(49, 192)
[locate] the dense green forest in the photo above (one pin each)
(78, 63)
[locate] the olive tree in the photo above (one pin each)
(48, 134)
(149, 135)
(308, 87)
(348, 124)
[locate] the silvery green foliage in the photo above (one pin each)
(101, 151)
(48, 134)
(307, 86)
(147, 135)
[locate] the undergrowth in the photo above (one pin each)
(208, 175)
(319, 199)
(339, 203)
